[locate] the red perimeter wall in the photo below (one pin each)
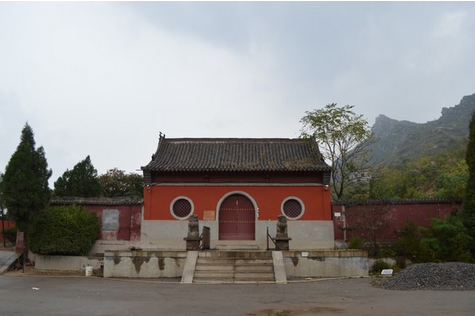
(317, 201)
(395, 215)
(129, 214)
(7, 224)
(129, 221)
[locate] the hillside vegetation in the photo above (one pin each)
(439, 176)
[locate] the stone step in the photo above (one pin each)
(213, 275)
(214, 261)
(253, 269)
(233, 276)
(236, 254)
(234, 266)
(237, 247)
(214, 281)
(211, 267)
(251, 262)
(254, 276)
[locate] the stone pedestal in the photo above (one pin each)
(282, 243)
(282, 238)
(193, 238)
(192, 243)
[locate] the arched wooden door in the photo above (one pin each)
(237, 218)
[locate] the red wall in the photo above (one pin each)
(395, 217)
(129, 221)
(7, 224)
(157, 200)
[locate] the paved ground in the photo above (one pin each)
(71, 296)
(6, 259)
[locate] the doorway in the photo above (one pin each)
(237, 218)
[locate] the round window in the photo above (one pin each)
(181, 207)
(292, 208)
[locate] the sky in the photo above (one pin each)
(105, 78)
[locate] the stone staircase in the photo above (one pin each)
(232, 267)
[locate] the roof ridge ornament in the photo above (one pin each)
(161, 136)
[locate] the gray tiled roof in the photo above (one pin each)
(236, 154)
(351, 203)
(69, 200)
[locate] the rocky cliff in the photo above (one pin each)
(400, 141)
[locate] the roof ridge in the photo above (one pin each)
(233, 139)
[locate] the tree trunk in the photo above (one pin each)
(25, 250)
(3, 229)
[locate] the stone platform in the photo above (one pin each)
(297, 263)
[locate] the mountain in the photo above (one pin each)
(401, 141)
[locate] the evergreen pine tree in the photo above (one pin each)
(468, 212)
(24, 187)
(81, 181)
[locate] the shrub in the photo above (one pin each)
(356, 242)
(386, 250)
(66, 230)
(410, 246)
(379, 265)
(10, 234)
(397, 268)
(448, 240)
(400, 262)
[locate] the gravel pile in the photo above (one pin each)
(451, 276)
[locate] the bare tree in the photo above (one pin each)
(370, 222)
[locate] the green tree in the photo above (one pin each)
(448, 240)
(115, 183)
(452, 180)
(24, 187)
(344, 138)
(445, 240)
(81, 181)
(409, 245)
(468, 212)
(2, 209)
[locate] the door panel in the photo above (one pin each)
(237, 218)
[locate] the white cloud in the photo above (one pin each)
(451, 25)
(95, 87)
(103, 78)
